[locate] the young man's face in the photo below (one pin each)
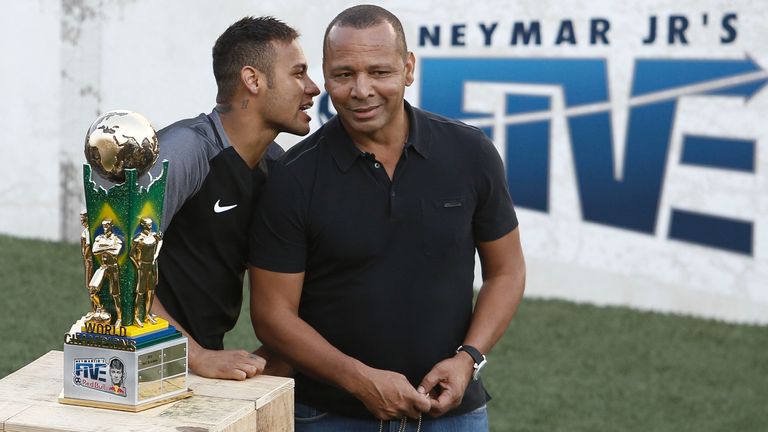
(366, 75)
(291, 92)
(116, 375)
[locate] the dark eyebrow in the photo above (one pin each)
(341, 68)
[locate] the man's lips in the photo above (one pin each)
(364, 112)
(303, 108)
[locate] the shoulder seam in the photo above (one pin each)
(288, 162)
(453, 122)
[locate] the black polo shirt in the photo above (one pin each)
(209, 202)
(389, 265)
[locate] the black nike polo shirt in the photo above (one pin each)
(210, 198)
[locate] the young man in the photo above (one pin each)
(217, 167)
(362, 253)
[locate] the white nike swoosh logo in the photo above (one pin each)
(220, 209)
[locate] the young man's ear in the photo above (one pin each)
(252, 79)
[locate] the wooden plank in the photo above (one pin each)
(50, 418)
(30, 389)
(261, 389)
(210, 414)
(9, 409)
(277, 416)
(244, 424)
(49, 364)
(36, 382)
(209, 410)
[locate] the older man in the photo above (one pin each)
(363, 248)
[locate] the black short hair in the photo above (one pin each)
(367, 16)
(247, 42)
(116, 363)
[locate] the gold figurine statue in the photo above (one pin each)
(107, 247)
(85, 249)
(144, 251)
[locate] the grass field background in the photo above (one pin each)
(560, 367)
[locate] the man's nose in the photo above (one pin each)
(311, 88)
(362, 86)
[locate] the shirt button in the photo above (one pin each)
(393, 193)
(377, 165)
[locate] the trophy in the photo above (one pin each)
(119, 355)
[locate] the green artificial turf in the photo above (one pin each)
(43, 293)
(560, 367)
(568, 367)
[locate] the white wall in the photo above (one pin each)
(30, 83)
(66, 61)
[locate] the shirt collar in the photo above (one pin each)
(346, 153)
(419, 136)
(214, 115)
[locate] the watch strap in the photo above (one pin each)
(477, 357)
(473, 352)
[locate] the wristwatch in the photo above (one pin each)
(477, 357)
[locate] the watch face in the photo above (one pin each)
(478, 367)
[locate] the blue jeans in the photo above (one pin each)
(309, 419)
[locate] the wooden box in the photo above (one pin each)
(28, 402)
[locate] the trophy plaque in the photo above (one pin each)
(119, 355)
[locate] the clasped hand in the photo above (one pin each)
(389, 395)
(445, 383)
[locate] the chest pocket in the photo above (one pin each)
(445, 223)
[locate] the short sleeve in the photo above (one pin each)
(278, 239)
(495, 214)
(188, 165)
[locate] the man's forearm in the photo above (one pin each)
(193, 347)
(501, 293)
(222, 364)
(496, 304)
(304, 348)
(276, 365)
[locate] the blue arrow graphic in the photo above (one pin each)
(630, 203)
(652, 75)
